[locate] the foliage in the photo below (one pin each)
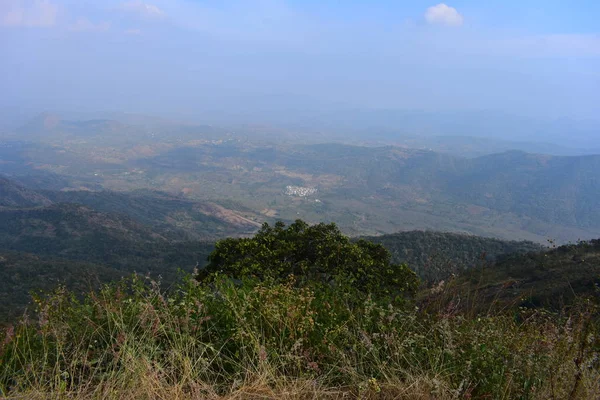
(22, 273)
(551, 279)
(318, 253)
(436, 256)
(173, 217)
(293, 305)
(15, 195)
(131, 340)
(78, 233)
(89, 265)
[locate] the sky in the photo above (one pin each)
(530, 58)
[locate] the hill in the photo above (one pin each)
(81, 248)
(174, 217)
(22, 273)
(550, 279)
(112, 128)
(68, 225)
(15, 195)
(562, 190)
(466, 146)
(508, 195)
(79, 233)
(436, 256)
(145, 231)
(556, 189)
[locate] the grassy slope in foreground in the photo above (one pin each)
(269, 337)
(270, 341)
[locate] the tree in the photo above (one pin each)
(317, 254)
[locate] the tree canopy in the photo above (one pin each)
(312, 254)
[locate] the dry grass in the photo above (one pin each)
(280, 342)
(420, 389)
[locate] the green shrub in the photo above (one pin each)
(313, 254)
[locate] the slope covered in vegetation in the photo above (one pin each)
(436, 256)
(14, 195)
(302, 327)
(172, 216)
(551, 279)
(23, 273)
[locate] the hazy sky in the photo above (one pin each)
(538, 58)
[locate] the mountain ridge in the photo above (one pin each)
(13, 194)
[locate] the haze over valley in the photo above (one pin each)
(469, 118)
(249, 175)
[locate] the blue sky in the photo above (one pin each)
(533, 58)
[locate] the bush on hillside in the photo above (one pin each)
(317, 254)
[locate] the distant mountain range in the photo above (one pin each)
(397, 123)
(557, 190)
(466, 146)
(207, 172)
(48, 127)
(469, 134)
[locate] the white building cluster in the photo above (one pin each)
(300, 191)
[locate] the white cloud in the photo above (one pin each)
(142, 9)
(28, 13)
(134, 32)
(84, 24)
(442, 14)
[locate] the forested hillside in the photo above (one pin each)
(174, 217)
(436, 256)
(551, 279)
(14, 195)
(562, 190)
(22, 274)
